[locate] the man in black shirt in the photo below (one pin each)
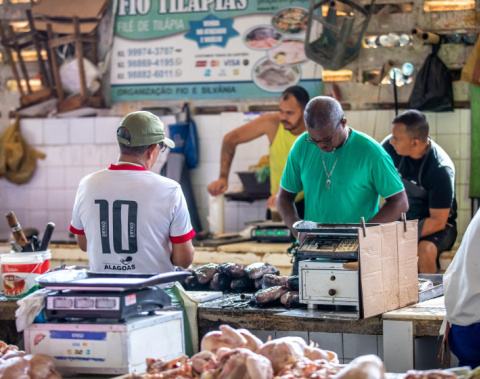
(428, 174)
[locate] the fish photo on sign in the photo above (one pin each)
(274, 78)
(262, 37)
(291, 20)
(290, 52)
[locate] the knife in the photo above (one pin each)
(47, 235)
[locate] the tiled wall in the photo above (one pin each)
(77, 147)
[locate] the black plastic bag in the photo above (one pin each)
(432, 90)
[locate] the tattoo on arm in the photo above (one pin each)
(228, 151)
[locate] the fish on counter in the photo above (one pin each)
(270, 280)
(242, 285)
(290, 299)
(220, 282)
(235, 270)
(205, 273)
(259, 269)
(268, 295)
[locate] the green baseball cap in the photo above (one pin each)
(145, 129)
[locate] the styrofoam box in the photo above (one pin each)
(111, 347)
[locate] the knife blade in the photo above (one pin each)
(47, 235)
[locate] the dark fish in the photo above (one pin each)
(258, 283)
(290, 299)
(235, 270)
(205, 273)
(242, 285)
(270, 280)
(293, 283)
(258, 269)
(191, 283)
(268, 295)
(220, 282)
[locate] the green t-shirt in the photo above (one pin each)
(363, 172)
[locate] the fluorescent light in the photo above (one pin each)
(442, 6)
(337, 76)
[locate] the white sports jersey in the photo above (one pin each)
(130, 216)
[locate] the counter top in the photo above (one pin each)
(430, 310)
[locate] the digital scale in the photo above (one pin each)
(271, 231)
(81, 294)
(107, 324)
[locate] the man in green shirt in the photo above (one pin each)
(342, 172)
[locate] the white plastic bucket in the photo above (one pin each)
(19, 271)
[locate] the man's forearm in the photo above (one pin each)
(431, 226)
(288, 211)
(392, 209)
(226, 158)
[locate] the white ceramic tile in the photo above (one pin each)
(87, 170)
(462, 172)
(450, 143)
(82, 130)
(32, 130)
(37, 199)
(38, 219)
(56, 177)
(208, 126)
(73, 176)
(109, 154)
(209, 150)
(56, 131)
(55, 199)
(328, 341)
(355, 345)
(464, 146)
(231, 217)
(56, 155)
(432, 123)
(91, 155)
(70, 194)
(73, 156)
(448, 122)
(61, 218)
(105, 129)
(465, 121)
(39, 178)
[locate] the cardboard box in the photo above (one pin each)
(388, 267)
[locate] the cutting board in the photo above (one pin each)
(202, 296)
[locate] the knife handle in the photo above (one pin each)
(16, 229)
(47, 235)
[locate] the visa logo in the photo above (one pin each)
(231, 62)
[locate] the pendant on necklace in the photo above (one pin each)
(329, 183)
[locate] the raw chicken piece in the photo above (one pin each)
(4, 348)
(243, 364)
(42, 367)
(13, 353)
(363, 367)
(14, 368)
(314, 353)
(201, 360)
(283, 351)
(253, 343)
(225, 337)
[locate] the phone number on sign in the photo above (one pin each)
(166, 62)
(143, 51)
(150, 74)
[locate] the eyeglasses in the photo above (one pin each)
(326, 141)
(162, 147)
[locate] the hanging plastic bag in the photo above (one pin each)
(432, 90)
(471, 70)
(185, 136)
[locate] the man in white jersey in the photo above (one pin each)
(127, 218)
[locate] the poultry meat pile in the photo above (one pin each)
(237, 354)
(16, 364)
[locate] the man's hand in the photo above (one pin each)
(217, 187)
(272, 202)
